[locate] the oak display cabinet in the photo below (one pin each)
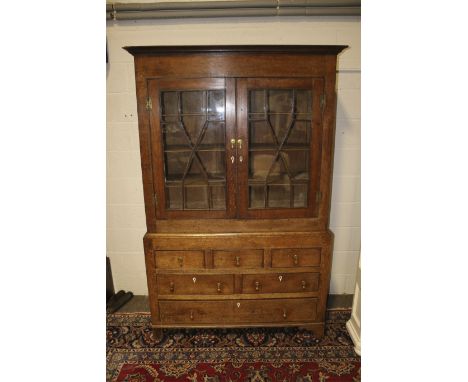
(237, 155)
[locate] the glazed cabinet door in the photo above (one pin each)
(279, 132)
(192, 123)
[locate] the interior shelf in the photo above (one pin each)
(195, 180)
(271, 147)
(200, 148)
(279, 180)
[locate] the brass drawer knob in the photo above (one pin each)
(180, 260)
(257, 285)
(284, 313)
(191, 314)
(171, 286)
(237, 261)
(218, 287)
(295, 259)
(304, 284)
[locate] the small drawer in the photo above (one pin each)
(180, 259)
(280, 283)
(295, 257)
(276, 310)
(195, 312)
(245, 258)
(195, 284)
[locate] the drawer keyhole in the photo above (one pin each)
(284, 314)
(191, 314)
(257, 285)
(180, 260)
(194, 280)
(237, 261)
(171, 286)
(304, 284)
(280, 278)
(219, 287)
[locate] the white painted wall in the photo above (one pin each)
(125, 210)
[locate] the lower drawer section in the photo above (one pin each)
(238, 312)
(190, 312)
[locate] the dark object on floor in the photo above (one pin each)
(110, 291)
(118, 300)
(251, 354)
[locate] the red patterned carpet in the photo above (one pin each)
(230, 355)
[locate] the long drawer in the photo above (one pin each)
(238, 312)
(200, 312)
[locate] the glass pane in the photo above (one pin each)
(193, 134)
(218, 196)
(214, 135)
(196, 197)
(256, 196)
(193, 102)
(169, 103)
(279, 196)
(216, 105)
(174, 198)
(300, 195)
(279, 145)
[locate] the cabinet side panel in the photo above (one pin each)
(151, 280)
(145, 148)
(328, 139)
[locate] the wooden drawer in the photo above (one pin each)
(180, 259)
(195, 284)
(295, 257)
(195, 312)
(275, 310)
(280, 283)
(244, 258)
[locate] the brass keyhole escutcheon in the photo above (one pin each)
(238, 304)
(218, 287)
(194, 280)
(284, 313)
(280, 278)
(303, 284)
(171, 286)
(180, 260)
(237, 261)
(191, 314)
(257, 285)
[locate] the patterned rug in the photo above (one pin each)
(229, 355)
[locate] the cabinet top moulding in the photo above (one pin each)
(188, 49)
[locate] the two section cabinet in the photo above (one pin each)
(237, 152)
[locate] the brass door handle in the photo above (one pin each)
(180, 260)
(171, 286)
(237, 261)
(295, 259)
(239, 144)
(257, 285)
(303, 284)
(218, 287)
(233, 143)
